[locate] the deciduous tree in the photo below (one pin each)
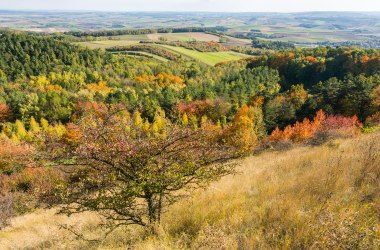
(130, 176)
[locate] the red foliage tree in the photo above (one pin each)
(322, 125)
(87, 107)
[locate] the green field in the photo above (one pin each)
(104, 42)
(210, 58)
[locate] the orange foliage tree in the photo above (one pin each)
(100, 87)
(213, 109)
(243, 132)
(162, 79)
(311, 59)
(73, 134)
(5, 112)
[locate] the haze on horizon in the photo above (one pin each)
(194, 5)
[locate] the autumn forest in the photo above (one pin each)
(129, 132)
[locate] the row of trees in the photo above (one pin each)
(120, 32)
(146, 48)
(272, 45)
(194, 45)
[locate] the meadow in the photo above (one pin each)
(308, 197)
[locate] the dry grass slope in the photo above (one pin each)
(325, 197)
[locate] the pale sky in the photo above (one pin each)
(195, 5)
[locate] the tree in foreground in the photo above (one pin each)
(130, 171)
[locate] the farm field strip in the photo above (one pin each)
(160, 58)
(189, 36)
(104, 44)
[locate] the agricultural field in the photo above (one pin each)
(210, 58)
(106, 42)
(103, 44)
(198, 36)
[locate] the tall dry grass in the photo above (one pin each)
(325, 197)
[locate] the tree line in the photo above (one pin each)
(120, 32)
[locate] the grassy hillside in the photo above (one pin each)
(325, 197)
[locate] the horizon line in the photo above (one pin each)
(188, 11)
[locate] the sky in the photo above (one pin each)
(195, 5)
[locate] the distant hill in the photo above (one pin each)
(311, 27)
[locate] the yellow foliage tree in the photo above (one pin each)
(137, 120)
(39, 81)
(44, 124)
(34, 127)
(101, 87)
(184, 120)
(241, 132)
(20, 130)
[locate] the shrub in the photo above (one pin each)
(6, 210)
(373, 121)
(322, 127)
(337, 126)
